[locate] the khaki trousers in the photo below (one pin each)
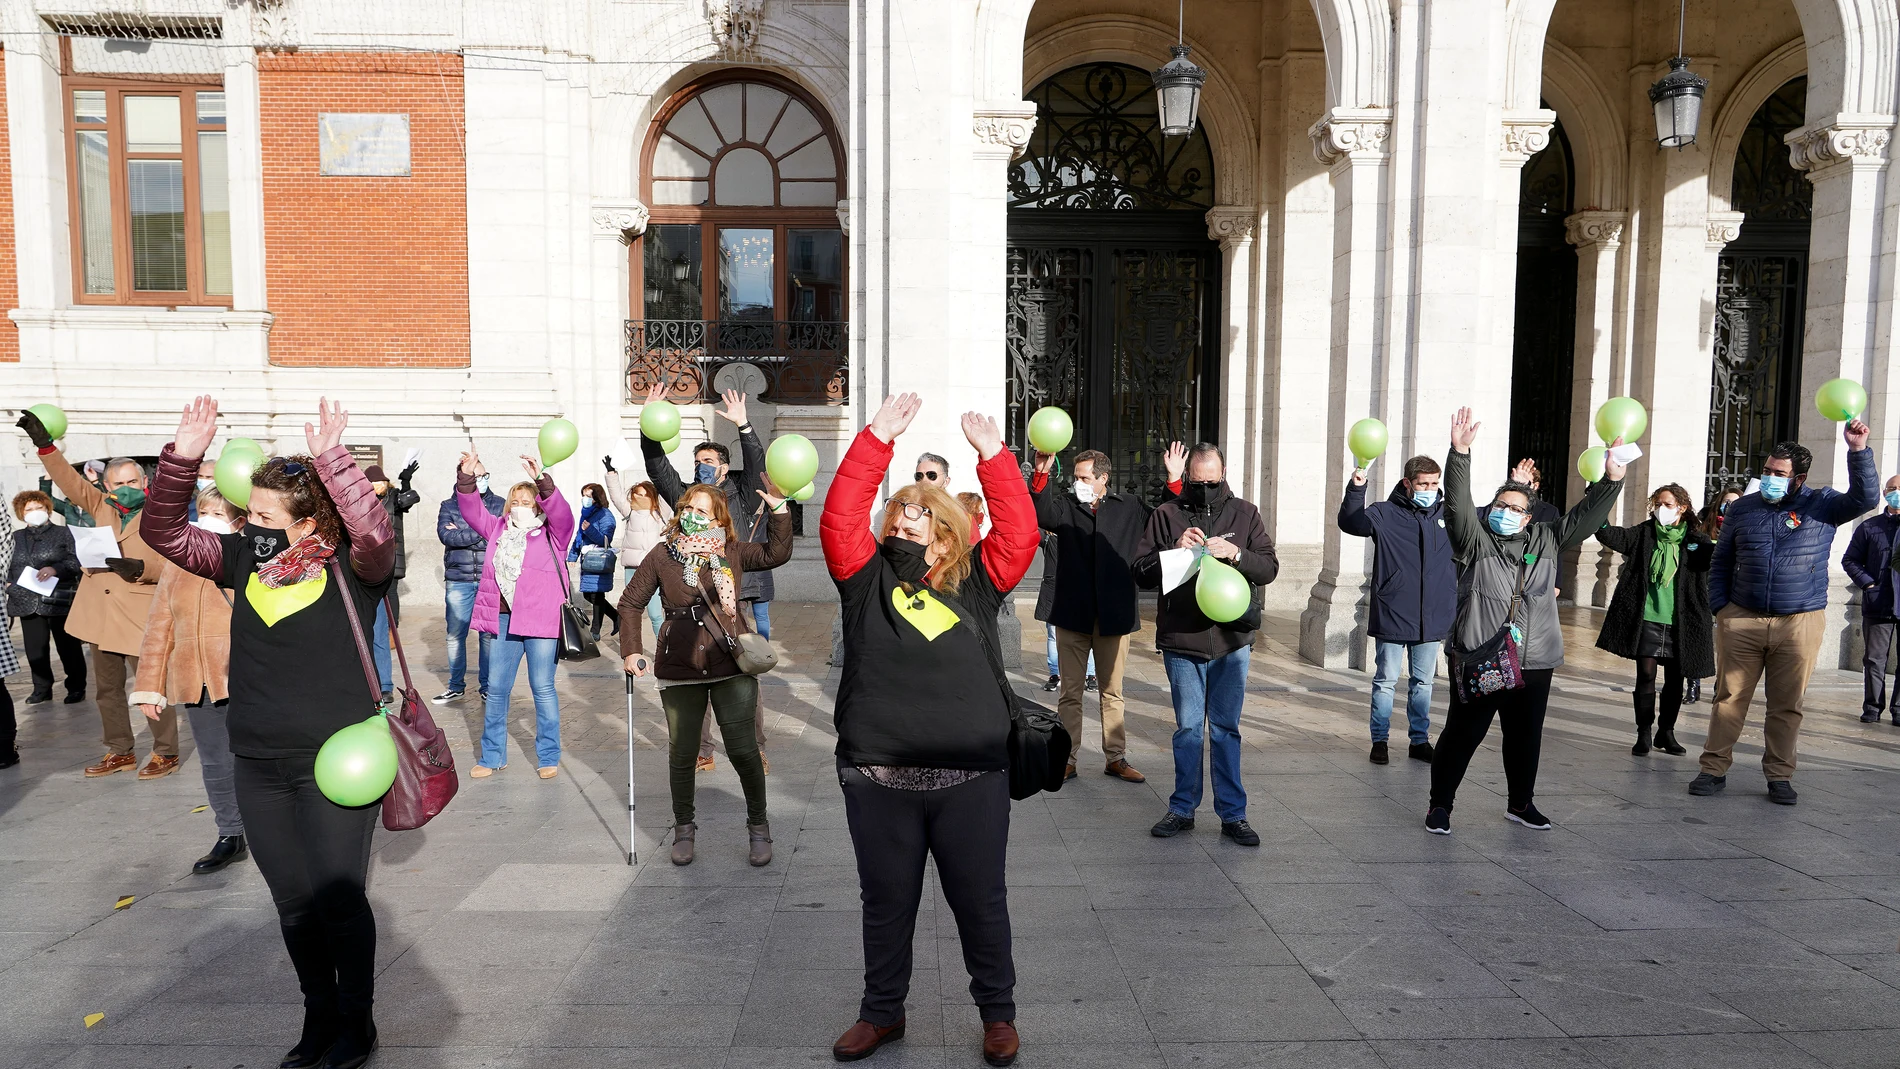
(109, 674)
(758, 705)
(1072, 658)
(1747, 644)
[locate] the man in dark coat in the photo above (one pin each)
(1866, 562)
(1207, 661)
(464, 551)
(397, 501)
(1414, 595)
(1097, 605)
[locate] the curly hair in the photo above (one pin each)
(950, 524)
(1682, 497)
(31, 497)
(304, 496)
(715, 504)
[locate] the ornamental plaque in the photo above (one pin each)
(363, 145)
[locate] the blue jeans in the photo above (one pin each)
(656, 613)
(506, 653)
(1054, 668)
(761, 618)
(1207, 698)
(1418, 695)
(458, 612)
(379, 646)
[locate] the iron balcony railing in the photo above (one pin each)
(804, 363)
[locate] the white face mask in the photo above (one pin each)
(523, 516)
(1084, 492)
(213, 524)
(36, 517)
(1667, 515)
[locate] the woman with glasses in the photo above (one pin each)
(1659, 616)
(922, 725)
(699, 572)
(1507, 578)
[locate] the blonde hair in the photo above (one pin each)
(209, 500)
(534, 494)
(722, 515)
(949, 523)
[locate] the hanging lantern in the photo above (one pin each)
(1677, 96)
(1178, 85)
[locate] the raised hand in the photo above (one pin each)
(1175, 460)
(35, 430)
(1612, 470)
(1045, 462)
(1358, 476)
(471, 464)
(532, 466)
(983, 434)
(1855, 434)
(607, 462)
(196, 427)
(1464, 430)
(656, 392)
(894, 416)
(327, 433)
(772, 500)
(734, 412)
(1524, 472)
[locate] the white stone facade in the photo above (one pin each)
(1367, 156)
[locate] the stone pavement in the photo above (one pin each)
(1648, 929)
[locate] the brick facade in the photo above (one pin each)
(365, 272)
(9, 277)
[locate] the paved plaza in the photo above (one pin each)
(1648, 929)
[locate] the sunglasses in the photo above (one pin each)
(914, 511)
(923, 475)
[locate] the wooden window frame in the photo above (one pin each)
(116, 88)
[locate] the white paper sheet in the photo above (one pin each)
(409, 458)
(1177, 565)
(1626, 453)
(29, 578)
(95, 544)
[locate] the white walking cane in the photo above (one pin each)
(633, 842)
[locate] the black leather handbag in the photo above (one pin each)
(577, 642)
(1039, 745)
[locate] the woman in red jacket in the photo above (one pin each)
(922, 726)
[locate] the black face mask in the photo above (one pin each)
(905, 557)
(266, 542)
(1199, 496)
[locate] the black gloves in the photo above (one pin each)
(35, 430)
(408, 473)
(607, 462)
(126, 568)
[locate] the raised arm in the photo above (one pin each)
(1587, 517)
(1863, 486)
(365, 520)
(844, 528)
(1620, 539)
(616, 494)
(752, 479)
(163, 526)
(774, 551)
(554, 507)
(660, 470)
(77, 490)
(1353, 518)
(1010, 547)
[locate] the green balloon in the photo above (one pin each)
(1367, 439)
(671, 445)
(791, 461)
(1621, 417)
(242, 445)
(660, 420)
(558, 440)
(1050, 429)
(1590, 464)
(804, 493)
(233, 475)
(1222, 592)
(357, 765)
(52, 417)
(1840, 399)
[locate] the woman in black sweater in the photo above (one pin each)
(317, 533)
(923, 729)
(48, 549)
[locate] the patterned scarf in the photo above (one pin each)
(302, 561)
(707, 550)
(511, 550)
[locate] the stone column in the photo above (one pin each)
(1233, 226)
(1352, 143)
(1595, 375)
(617, 223)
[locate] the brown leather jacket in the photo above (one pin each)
(187, 650)
(108, 611)
(680, 657)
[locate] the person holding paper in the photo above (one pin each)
(1768, 588)
(113, 600)
(1659, 616)
(45, 573)
(1414, 595)
(1507, 579)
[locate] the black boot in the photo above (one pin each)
(1666, 728)
(1645, 718)
(319, 1035)
(356, 1043)
(227, 849)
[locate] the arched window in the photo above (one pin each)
(1098, 144)
(743, 257)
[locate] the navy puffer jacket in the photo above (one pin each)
(1414, 579)
(463, 550)
(1774, 558)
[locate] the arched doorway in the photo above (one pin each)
(1545, 329)
(1761, 288)
(743, 259)
(1113, 296)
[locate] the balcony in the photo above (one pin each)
(804, 363)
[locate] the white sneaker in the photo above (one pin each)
(446, 697)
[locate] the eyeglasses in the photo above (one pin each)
(1499, 506)
(914, 511)
(923, 475)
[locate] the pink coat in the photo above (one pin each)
(535, 610)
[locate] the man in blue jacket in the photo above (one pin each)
(462, 556)
(1414, 594)
(1768, 590)
(1866, 562)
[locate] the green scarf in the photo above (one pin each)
(1659, 604)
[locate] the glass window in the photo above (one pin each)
(745, 273)
(814, 276)
(672, 269)
(744, 177)
(153, 124)
(761, 147)
(94, 160)
(214, 208)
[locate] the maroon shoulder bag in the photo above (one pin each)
(425, 768)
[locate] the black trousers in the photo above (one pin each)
(9, 727)
(314, 855)
(1644, 695)
(1520, 716)
(39, 631)
(966, 829)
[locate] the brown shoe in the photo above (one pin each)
(1121, 769)
(1000, 1042)
(863, 1038)
(112, 762)
(159, 765)
(1068, 773)
(704, 764)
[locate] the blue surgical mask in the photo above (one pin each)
(1506, 522)
(705, 473)
(481, 484)
(206, 484)
(1774, 487)
(1893, 499)
(1424, 498)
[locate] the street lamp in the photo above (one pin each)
(1178, 85)
(1677, 96)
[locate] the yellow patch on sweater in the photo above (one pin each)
(273, 604)
(924, 612)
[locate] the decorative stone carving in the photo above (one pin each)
(1357, 134)
(625, 219)
(1724, 227)
(735, 26)
(270, 23)
(1859, 141)
(844, 217)
(1526, 133)
(1003, 132)
(1232, 224)
(1589, 229)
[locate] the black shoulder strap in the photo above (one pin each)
(989, 650)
